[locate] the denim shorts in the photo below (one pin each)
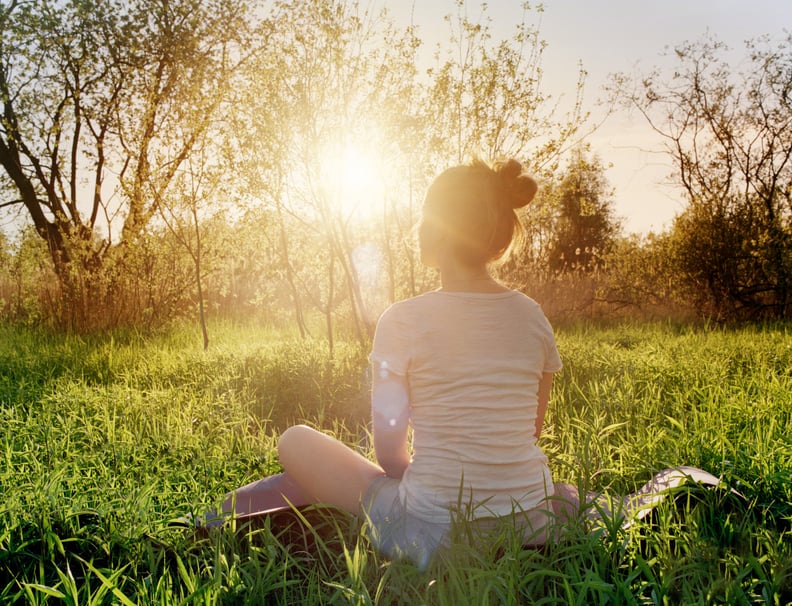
(398, 534)
(395, 532)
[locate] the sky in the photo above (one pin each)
(612, 36)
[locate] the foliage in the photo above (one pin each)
(330, 90)
(108, 438)
(569, 240)
(585, 223)
(102, 104)
(485, 97)
(26, 280)
(729, 134)
(193, 159)
(143, 118)
(640, 279)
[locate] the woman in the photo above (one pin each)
(469, 366)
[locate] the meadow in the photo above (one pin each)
(108, 439)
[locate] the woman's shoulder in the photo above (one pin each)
(527, 301)
(528, 308)
(406, 307)
(438, 300)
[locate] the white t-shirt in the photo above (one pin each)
(473, 362)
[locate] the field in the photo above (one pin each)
(108, 439)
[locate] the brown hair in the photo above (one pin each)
(474, 205)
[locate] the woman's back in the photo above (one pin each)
(474, 362)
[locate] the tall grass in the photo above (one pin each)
(106, 439)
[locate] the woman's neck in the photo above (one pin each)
(463, 278)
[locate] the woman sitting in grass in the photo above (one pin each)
(469, 366)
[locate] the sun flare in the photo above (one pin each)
(354, 181)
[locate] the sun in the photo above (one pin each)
(353, 181)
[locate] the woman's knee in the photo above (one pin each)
(294, 441)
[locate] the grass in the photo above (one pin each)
(108, 438)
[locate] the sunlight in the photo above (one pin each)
(368, 264)
(353, 181)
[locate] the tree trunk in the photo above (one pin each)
(198, 280)
(329, 306)
(286, 260)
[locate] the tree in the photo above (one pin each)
(641, 278)
(486, 97)
(102, 102)
(729, 134)
(25, 276)
(569, 229)
(328, 96)
(585, 224)
(195, 194)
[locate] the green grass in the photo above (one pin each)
(107, 438)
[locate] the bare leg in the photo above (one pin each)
(263, 495)
(324, 469)
(566, 502)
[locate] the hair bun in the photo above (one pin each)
(519, 188)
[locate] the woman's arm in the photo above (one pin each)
(545, 383)
(390, 408)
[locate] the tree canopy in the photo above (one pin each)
(318, 112)
(179, 156)
(729, 133)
